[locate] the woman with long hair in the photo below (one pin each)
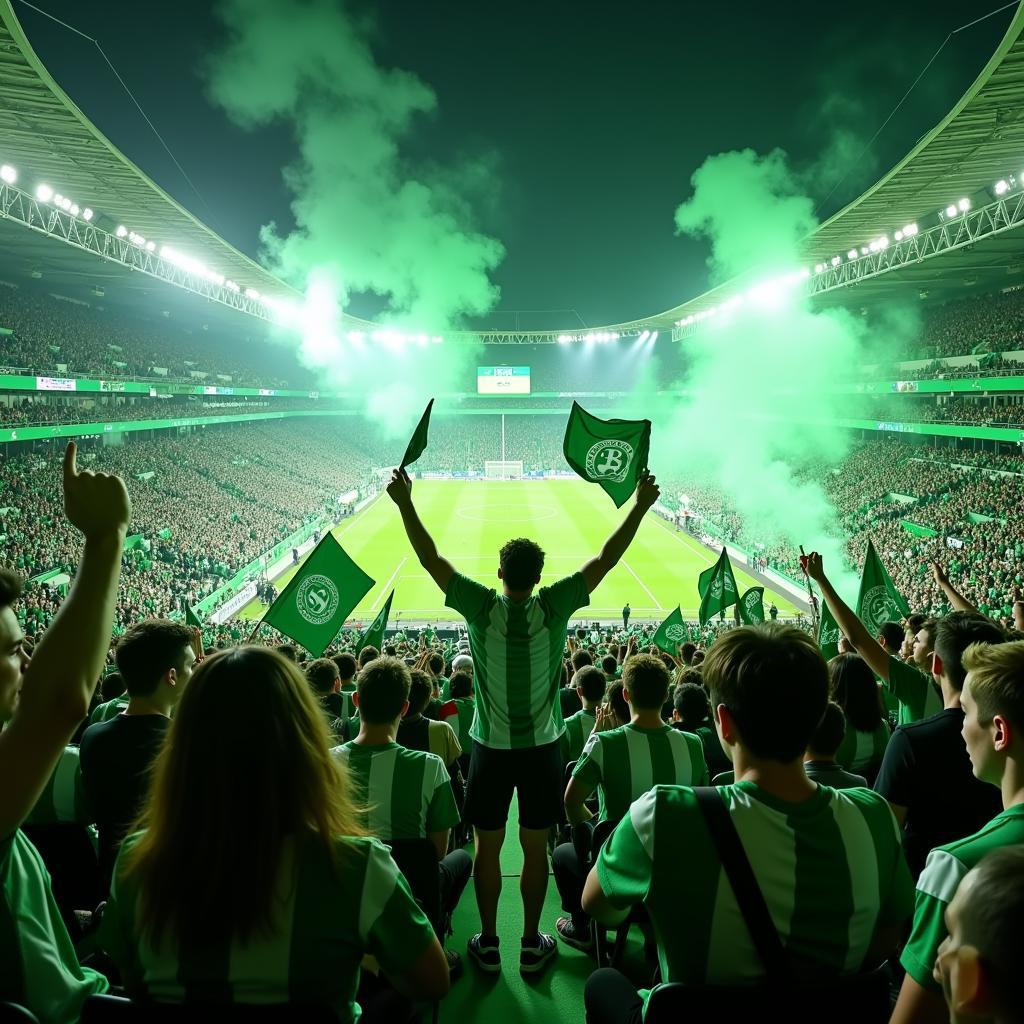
(249, 879)
(867, 731)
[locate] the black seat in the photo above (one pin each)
(417, 860)
(118, 1010)
(856, 999)
(13, 1013)
(637, 915)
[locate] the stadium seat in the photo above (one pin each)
(108, 1009)
(857, 999)
(12, 1013)
(638, 915)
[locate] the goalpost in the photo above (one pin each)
(503, 469)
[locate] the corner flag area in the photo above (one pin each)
(570, 519)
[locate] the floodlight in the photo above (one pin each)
(150, 246)
(437, 339)
(66, 204)
(818, 268)
(121, 231)
(836, 260)
(87, 214)
(1001, 187)
(863, 250)
(654, 338)
(75, 210)
(8, 174)
(44, 193)
(852, 254)
(644, 336)
(951, 210)
(251, 293)
(58, 199)
(883, 242)
(898, 236)
(964, 204)
(910, 229)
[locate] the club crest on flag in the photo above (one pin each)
(609, 460)
(317, 599)
(829, 633)
(878, 607)
(677, 633)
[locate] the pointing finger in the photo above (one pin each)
(70, 461)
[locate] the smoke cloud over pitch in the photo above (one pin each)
(366, 221)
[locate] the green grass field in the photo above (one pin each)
(570, 519)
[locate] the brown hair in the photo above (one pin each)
(245, 767)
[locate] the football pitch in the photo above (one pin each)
(570, 519)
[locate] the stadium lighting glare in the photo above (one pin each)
(964, 205)
(150, 246)
(863, 250)
(643, 337)
(819, 267)
(58, 199)
(564, 339)
(951, 210)
(437, 339)
(909, 230)
(836, 260)
(121, 231)
(653, 338)
(44, 193)
(1001, 187)
(8, 174)
(852, 254)
(75, 210)
(87, 214)
(251, 293)
(898, 236)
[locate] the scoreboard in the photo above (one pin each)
(502, 380)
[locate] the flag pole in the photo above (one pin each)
(252, 635)
(812, 600)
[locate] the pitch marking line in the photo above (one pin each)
(697, 549)
(654, 601)
(384, 589)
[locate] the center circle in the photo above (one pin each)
(511, 515)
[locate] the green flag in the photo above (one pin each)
(374, 635)
(319, 597)
(717, 588)
(878, 600)
(191, 619)
(610, 453)
(671, 633)
(828, 634)
(751, 606)
(418, 441)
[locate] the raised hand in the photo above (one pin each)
(95, 503)
(939, 574)
(400, 487)
(812, 566)
(647, 490)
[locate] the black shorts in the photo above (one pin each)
(534, 772)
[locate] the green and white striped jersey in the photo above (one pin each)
(517, 658)
(38, 965)
(943, 872)
(916, 691)
(63, 799)
(407, 793)
(624, 763)
(577, 728)
(330, 913)
(861, 750)
(831, 869)
(104, 712)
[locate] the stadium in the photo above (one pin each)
(862, 397)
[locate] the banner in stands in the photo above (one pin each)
(239, 601)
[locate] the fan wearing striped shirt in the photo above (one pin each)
(828, 862)
(407, 794)
(621, 764)
(516, 638)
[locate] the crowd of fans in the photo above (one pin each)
(275, 829)
(966, 411)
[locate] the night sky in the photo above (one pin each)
(593, 116)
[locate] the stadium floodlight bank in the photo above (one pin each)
(497, 469)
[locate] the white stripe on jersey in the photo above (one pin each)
(378, 887)
(862, 864)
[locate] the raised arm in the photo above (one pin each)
(647, 493)
(953, 596)
(59, 681)
(849, 625)
(400, 491)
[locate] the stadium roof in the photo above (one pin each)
(47, 138)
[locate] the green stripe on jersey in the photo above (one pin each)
(314, 952)
(861, 750)
(624, 763)
(407, 793)
(915, 691)
(517, 651)
(578, 728)
(38, 965)
(945, 868)
(831, 869)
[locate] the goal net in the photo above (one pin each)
(497, 470)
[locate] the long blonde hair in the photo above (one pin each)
(246, 766)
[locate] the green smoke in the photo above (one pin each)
(760, 416)
(366, 221)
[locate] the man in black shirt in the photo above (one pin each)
(155, 657)
(926, 774)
